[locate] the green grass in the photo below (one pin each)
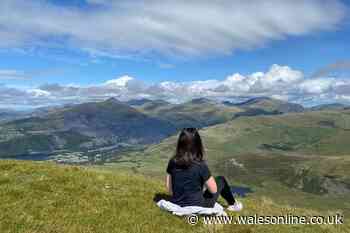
(292, 176)
(294, 139)
(44, 197)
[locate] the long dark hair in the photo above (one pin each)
(189, 148)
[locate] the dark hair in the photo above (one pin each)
(189, 148)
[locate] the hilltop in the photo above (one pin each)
(265, 106)
(9, 114)
(78, 133)
(45, 197)
(329, 107)
(307, 153)
(198, 113)
(98, 131)
(82, 127)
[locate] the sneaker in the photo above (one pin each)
(238, 206)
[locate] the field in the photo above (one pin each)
(300, 159)
(44, 197)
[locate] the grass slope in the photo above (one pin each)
(44, 197)
(299, 159)
(311, 136)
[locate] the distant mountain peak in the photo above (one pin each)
(201, 100)
(257, 100)
(269, 104)
(138, 102)
(113, 100)
(331, 106)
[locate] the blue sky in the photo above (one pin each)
(166, 47)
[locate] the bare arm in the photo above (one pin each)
(211, 185)
(169, 184)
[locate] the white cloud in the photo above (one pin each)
(119, 82)
(280, 76)
(189, 28)
(281, 82)
(317, 86)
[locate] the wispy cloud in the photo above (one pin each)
(334, 69)
(166, 65)
(278, 81)
(13, 75)
(180, 28)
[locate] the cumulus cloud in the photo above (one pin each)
(281, 82)
(317, 86)
(185, 28)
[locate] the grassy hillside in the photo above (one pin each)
(44, 197)
(302, 135)
(302, 158)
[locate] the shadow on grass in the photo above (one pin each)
(159, 196)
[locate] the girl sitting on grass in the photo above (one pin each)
(189, 180)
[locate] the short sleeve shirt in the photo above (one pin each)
(187, 183)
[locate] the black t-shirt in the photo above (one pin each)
(187, 183)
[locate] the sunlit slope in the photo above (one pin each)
(300, 134)
(43, 197)
(307, 151)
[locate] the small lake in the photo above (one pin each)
(240, 190)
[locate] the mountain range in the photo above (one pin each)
(115, 125)
(307, 151)
(292, 154)
(82, 127)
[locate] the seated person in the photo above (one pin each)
(189, 180)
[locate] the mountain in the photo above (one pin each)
(150, 105)
(267, 105)
(76, 130)
(138, 102)
(44, 111)
(307, 151)
(82, 127)
(9, 114)
(334, 106)
(198, 113)
(202, 112)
